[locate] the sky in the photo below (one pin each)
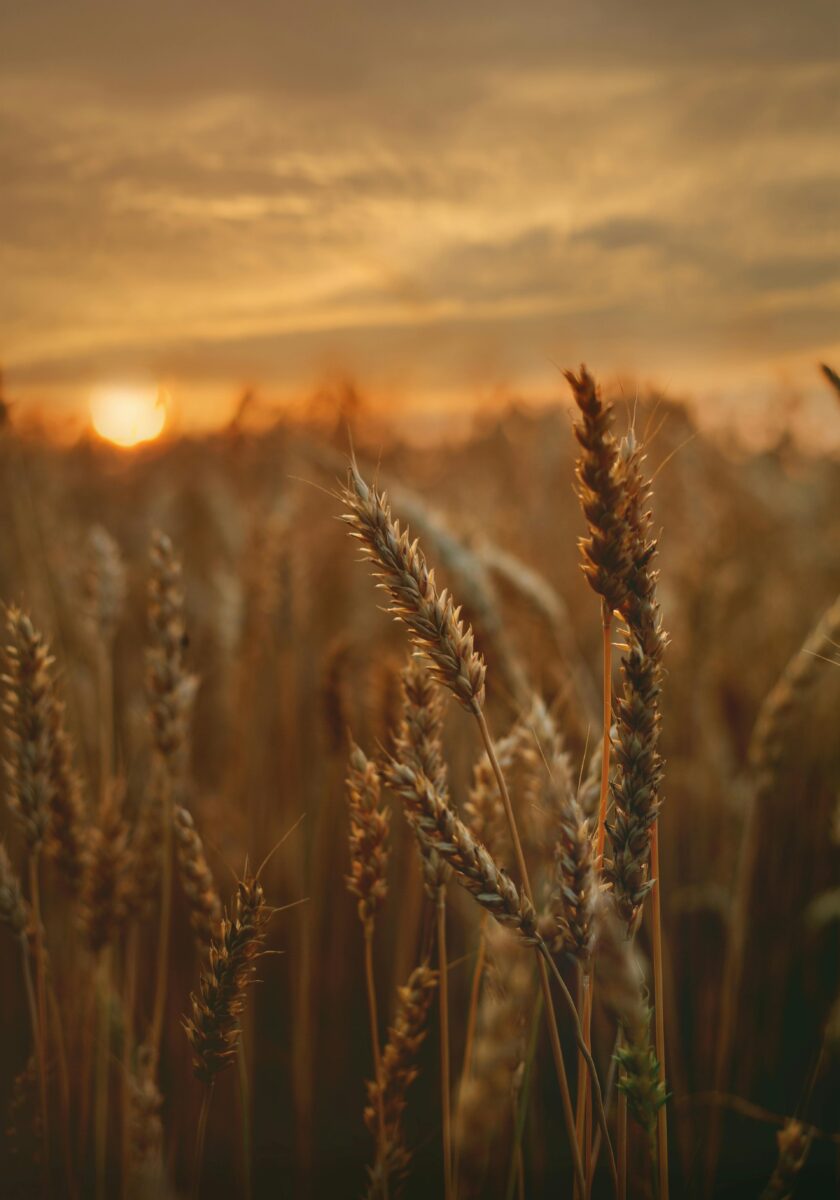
(443, 202)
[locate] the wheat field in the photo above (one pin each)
(530, 892)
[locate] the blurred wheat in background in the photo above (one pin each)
(517, 896)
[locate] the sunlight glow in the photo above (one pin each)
(128, 416)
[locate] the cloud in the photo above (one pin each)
(255, 191)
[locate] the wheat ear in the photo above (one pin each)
(171, 691)
(439, 634)
(197, 880)
(27, 707)
(213, 1026)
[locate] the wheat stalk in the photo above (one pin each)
(369, 821)
(622, 991)
(438, 633)
(171, 692)
(27, 707)
(213, 1026)
(771, 734)
(399, 1070)
(634, 832)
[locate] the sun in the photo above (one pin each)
(128, 416)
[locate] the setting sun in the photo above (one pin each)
(128, 416)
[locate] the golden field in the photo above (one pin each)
(267, 649)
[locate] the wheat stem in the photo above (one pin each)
(102, 1055)
(524, 1096)
(41, 986)
(622, 1145)
(31, 1001)
(582, 1104)
(245, 1107)
(584, 1097)
(554, 1036)
(200, 1138)
(475, 993)
(63, 1089)
(376, 1049)
(162, 970)
(472, 1021)
(129, 996)
(443, 998)
(659, 1009)
(545, 956)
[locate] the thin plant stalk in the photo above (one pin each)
(582, 1102)
(88, 1037)
(554, 1036)
(609, 1091)
(102, 1061)
(443, 997)
(560, 1068)
(520, 1166)
(524, 1097)
(63, 1089)
(200, 1139)
(472, 1021)
(31, 1001)
(475, 994)
(584, 1096)
(659, 1009)
(622, 1145)
(377, 1052)
(730, 987)
(245, 1106)
(162, 971)
(41, 987)
(545, 957)
(129, 998)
